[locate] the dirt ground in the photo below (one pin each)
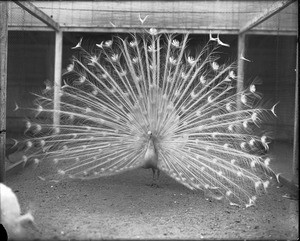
(126, 207)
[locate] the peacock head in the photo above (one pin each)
(151, 137)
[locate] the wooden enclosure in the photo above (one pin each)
(40, 34)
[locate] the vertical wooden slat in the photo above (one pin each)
(57, 75)
(241, 62)
(296, 125)
(3, 84)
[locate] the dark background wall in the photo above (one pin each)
(31, 62)
(274, 62)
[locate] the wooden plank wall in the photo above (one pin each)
(194, 16)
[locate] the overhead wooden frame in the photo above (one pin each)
(276, 7)
(188, 16)
(39, 14)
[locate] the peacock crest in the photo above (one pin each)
(145, 98)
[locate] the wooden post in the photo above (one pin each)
(3, 84)
(296, 125)
(57, 75)
(240, 67)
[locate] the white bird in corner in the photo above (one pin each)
(143, 19)
(11, 218)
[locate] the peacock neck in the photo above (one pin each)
(150, 157)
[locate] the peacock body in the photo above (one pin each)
(144, 101)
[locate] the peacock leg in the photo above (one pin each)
(155, 179)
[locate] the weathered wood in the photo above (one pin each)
(3, 84)
(32, 9)
(240, 67)
(179, 16)
(275, 8)
(170, 30)
(57, 75)
(295, 178)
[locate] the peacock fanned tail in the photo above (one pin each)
(203, 130)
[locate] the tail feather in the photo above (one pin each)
(204, 131)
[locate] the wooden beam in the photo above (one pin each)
(39, 14)
(275, 8)
(296, 124)
(127, 30)
(240, 67)
(3, 84)
(97, 29)
(57, 75)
